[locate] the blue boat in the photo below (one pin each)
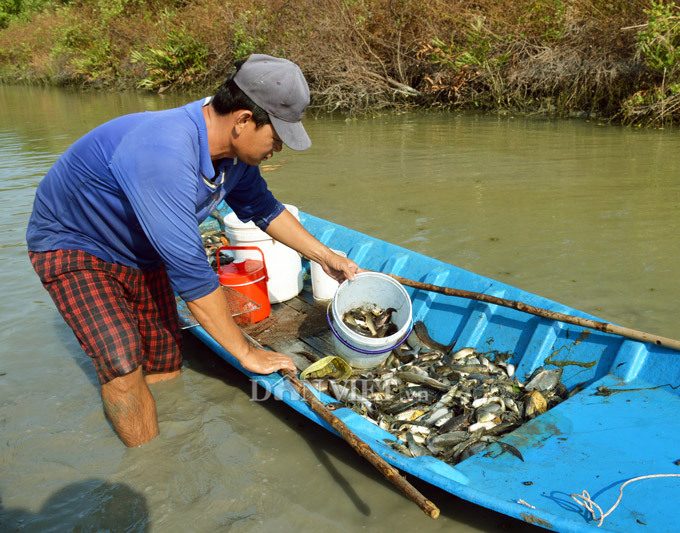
(614, 442)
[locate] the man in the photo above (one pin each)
(114, 230)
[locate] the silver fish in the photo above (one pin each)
(413, 377)
(544, 380)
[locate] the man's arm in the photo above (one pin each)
(288, 230)
(213, 313)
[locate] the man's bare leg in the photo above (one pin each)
(131, 409)
(155, 377)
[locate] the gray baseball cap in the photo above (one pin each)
(277, 86)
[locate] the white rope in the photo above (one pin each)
(584, 500)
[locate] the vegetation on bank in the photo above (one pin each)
(615, 58)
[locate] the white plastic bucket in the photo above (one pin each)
(284, 265)
(368, 289)
(323, 286)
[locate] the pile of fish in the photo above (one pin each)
(449, 405)
(370, 321)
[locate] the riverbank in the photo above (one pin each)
(617, 59)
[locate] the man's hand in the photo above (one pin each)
(263, 361)
(338, 267)
(213, 314)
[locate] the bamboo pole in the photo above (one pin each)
(363, 449)
(605, 327)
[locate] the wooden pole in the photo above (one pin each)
(363, 449)
(560, 317)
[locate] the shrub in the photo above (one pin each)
(179, 60)
(659, 41)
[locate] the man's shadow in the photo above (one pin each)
(90, 505)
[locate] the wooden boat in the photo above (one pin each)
(620, 429)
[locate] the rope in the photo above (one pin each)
(584, 500)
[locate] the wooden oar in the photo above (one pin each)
(363, 449)
(560, 317)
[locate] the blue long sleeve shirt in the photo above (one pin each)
(134, 190)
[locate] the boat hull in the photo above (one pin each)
(595, 441)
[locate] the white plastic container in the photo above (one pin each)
(284, 265)
(368, 289)
(323, 286)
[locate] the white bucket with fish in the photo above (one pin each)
(367, 290)
(284, 265)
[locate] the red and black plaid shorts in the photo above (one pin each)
(123, 317)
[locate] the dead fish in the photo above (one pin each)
(416, 449)
(384, 317)
(505, 447)
(435, 415)
(386, 330)
(511, 405)
(370, 324)
(417, 429)
(463, 353)
(485, 400)
(410, 415)
(444, 419)
(448, 439)
(470, 447)
(413, 377)
(544, 380)
(473, 449)
(489, 424)
(401, 407)
(510, 448)
(456, 423)
(509, 369)
(404, 354)
(423, 335)
(488, 412)
(347, 394)
(471, 369)
(351, 322)
(500, 429)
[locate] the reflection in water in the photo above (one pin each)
(580, 213)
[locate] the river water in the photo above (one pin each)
(580, 212)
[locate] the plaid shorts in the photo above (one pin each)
(122, 317)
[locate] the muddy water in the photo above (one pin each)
(578, 212)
